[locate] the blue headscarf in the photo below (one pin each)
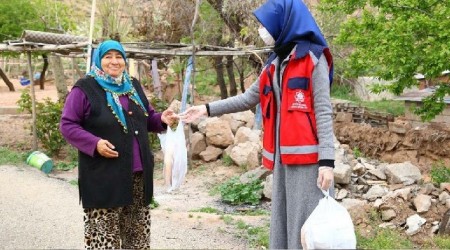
(289, 21)
(114, 86)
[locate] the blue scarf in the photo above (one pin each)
(289, 21)
(114, 87)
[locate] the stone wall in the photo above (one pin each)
(399, 142)
(444, 117)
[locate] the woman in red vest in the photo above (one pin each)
(294, 92)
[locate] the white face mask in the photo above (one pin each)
(266, 37)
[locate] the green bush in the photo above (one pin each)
(237, 193)
(440, 173)
(48, 115)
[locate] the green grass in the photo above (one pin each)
(227, 160)
(383, 239)
(255, 212)
(227, 219)
(441, 242)
(396, 108)
(8, 156)
(208, 210)
(345, 92)
(258, 237)
(65, 166)
(74, 182)
(380, 238)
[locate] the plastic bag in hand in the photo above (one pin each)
(328, 227)
(173, 144)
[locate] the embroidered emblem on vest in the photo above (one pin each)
(299, 101)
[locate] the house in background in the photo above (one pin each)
(414, 99)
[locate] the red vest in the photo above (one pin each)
(298, 134)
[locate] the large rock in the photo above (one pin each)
(422, 203)
(218, 133)
(239, 119)
(257, 173)
(375, 192)
(388, 214)
(342, 173)
(399, 126)
(414, 223)
(246, 154)
(405, 173)
(268, 187)
(211, 154)
(201, 126)
(198, 144)
(444, 228)
(244, 134)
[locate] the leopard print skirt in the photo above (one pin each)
(120, 228)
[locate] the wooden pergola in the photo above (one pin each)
(76, 46)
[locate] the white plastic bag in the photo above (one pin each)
(328, 227)
(173, 144)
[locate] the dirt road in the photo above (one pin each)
(38, 212)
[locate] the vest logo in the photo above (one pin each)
(299, 101)
(299, 97)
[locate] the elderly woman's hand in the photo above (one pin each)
(169, 117)
(106, 149)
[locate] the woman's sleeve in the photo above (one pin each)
(154, 123)
(324, 112)
(241, 102)
(76, 110)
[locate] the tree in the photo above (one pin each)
(394, 40)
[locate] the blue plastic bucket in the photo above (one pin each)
(40, 161)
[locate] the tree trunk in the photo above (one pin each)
(7, 81)
(218, 65)
(60, 81)
(44, 70)
(241, 75)
(231, 79)
(77, 68)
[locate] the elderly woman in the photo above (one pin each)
(107, 116)
(294, 92)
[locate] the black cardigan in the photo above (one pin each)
(108, 182)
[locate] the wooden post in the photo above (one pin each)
(74, 78)
(33, 101)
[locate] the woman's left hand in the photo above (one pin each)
(169, 117)
(326, 178)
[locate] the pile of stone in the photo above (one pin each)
(228, 135)
(396, 192)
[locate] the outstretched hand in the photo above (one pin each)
(169, 117)
(193, 113)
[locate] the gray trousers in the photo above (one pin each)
(294, 196)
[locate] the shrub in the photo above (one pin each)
(48, 115)
(237, 193)
(440, 173)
